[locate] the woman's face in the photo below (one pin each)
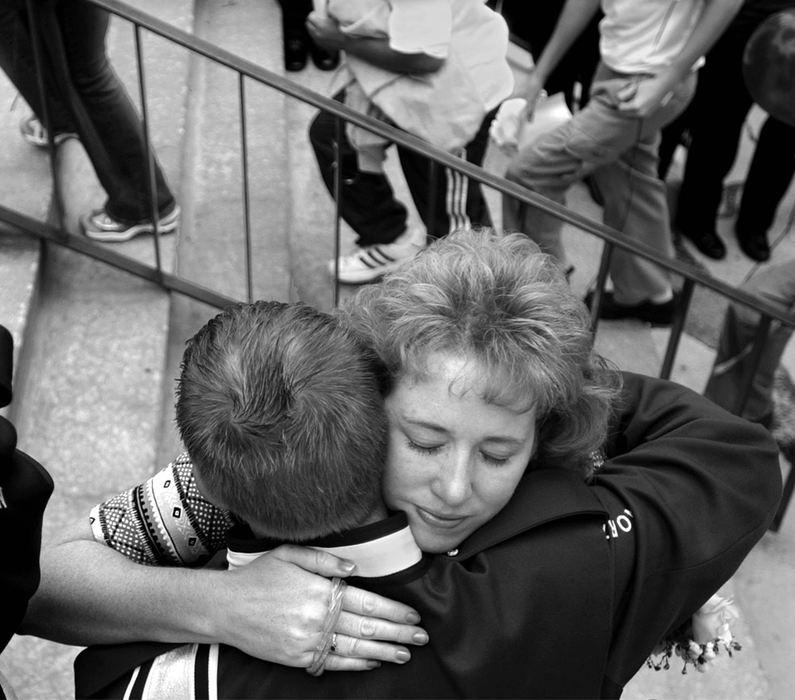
(454, 460)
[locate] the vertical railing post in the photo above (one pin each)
(150, 156)
(246, 201)
(34, 24)
(678, 328)
(596, 299)
(433, 188)
(337, 165)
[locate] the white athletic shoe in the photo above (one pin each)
(373, 261)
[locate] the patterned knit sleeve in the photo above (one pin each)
(163, 522)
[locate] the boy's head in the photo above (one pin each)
(280, 409)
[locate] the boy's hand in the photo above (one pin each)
(279, 602)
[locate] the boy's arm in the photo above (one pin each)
(640, 98)
(325, 31)
(165, 521)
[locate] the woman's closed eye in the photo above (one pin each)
(435, 448)
(495, 460)
(425, 449)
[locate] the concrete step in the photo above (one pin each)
(91, 340)
(212, 247)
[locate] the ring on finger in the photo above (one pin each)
(327, 637)
(333, 646)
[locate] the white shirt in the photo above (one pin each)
(643, 36)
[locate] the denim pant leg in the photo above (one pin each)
(740, 327)
(124, 171)
(616, 148)
(547, 167)
(17, 60)
(636, 203)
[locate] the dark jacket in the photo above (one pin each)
(566, 591)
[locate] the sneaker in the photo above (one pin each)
(656, 314)
(100, 226)
(34, 133)
(373, 261)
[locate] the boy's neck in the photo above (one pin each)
(378, 513)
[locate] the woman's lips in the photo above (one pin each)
(446, 522)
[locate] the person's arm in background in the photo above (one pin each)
(325, 31)
(573, 19)
(641, 98)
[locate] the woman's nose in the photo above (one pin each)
(453, 483)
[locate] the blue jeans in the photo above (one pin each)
(620, 152)
(84, 95)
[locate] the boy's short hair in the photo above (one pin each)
(281, 412)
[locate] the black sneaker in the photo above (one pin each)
(656, 314)
(706, 240)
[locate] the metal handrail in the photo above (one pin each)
(437, 157)
(340, 110)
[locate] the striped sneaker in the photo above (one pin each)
(373, 261)
(100, 226)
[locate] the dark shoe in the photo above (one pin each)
(323, 59)
(295, 54)
(707, 241)
(656, 314)
(755, 246)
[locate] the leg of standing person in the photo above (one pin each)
(768, 179)
(740, 328)
(295, 38)
(297, 43)
(17, 60)
(457, 201)
(719, 109)
(621, 153)
(637, 205)
(368, 205)
(125, 174)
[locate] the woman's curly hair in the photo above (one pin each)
(497, 300)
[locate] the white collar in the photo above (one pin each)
(381, 549)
